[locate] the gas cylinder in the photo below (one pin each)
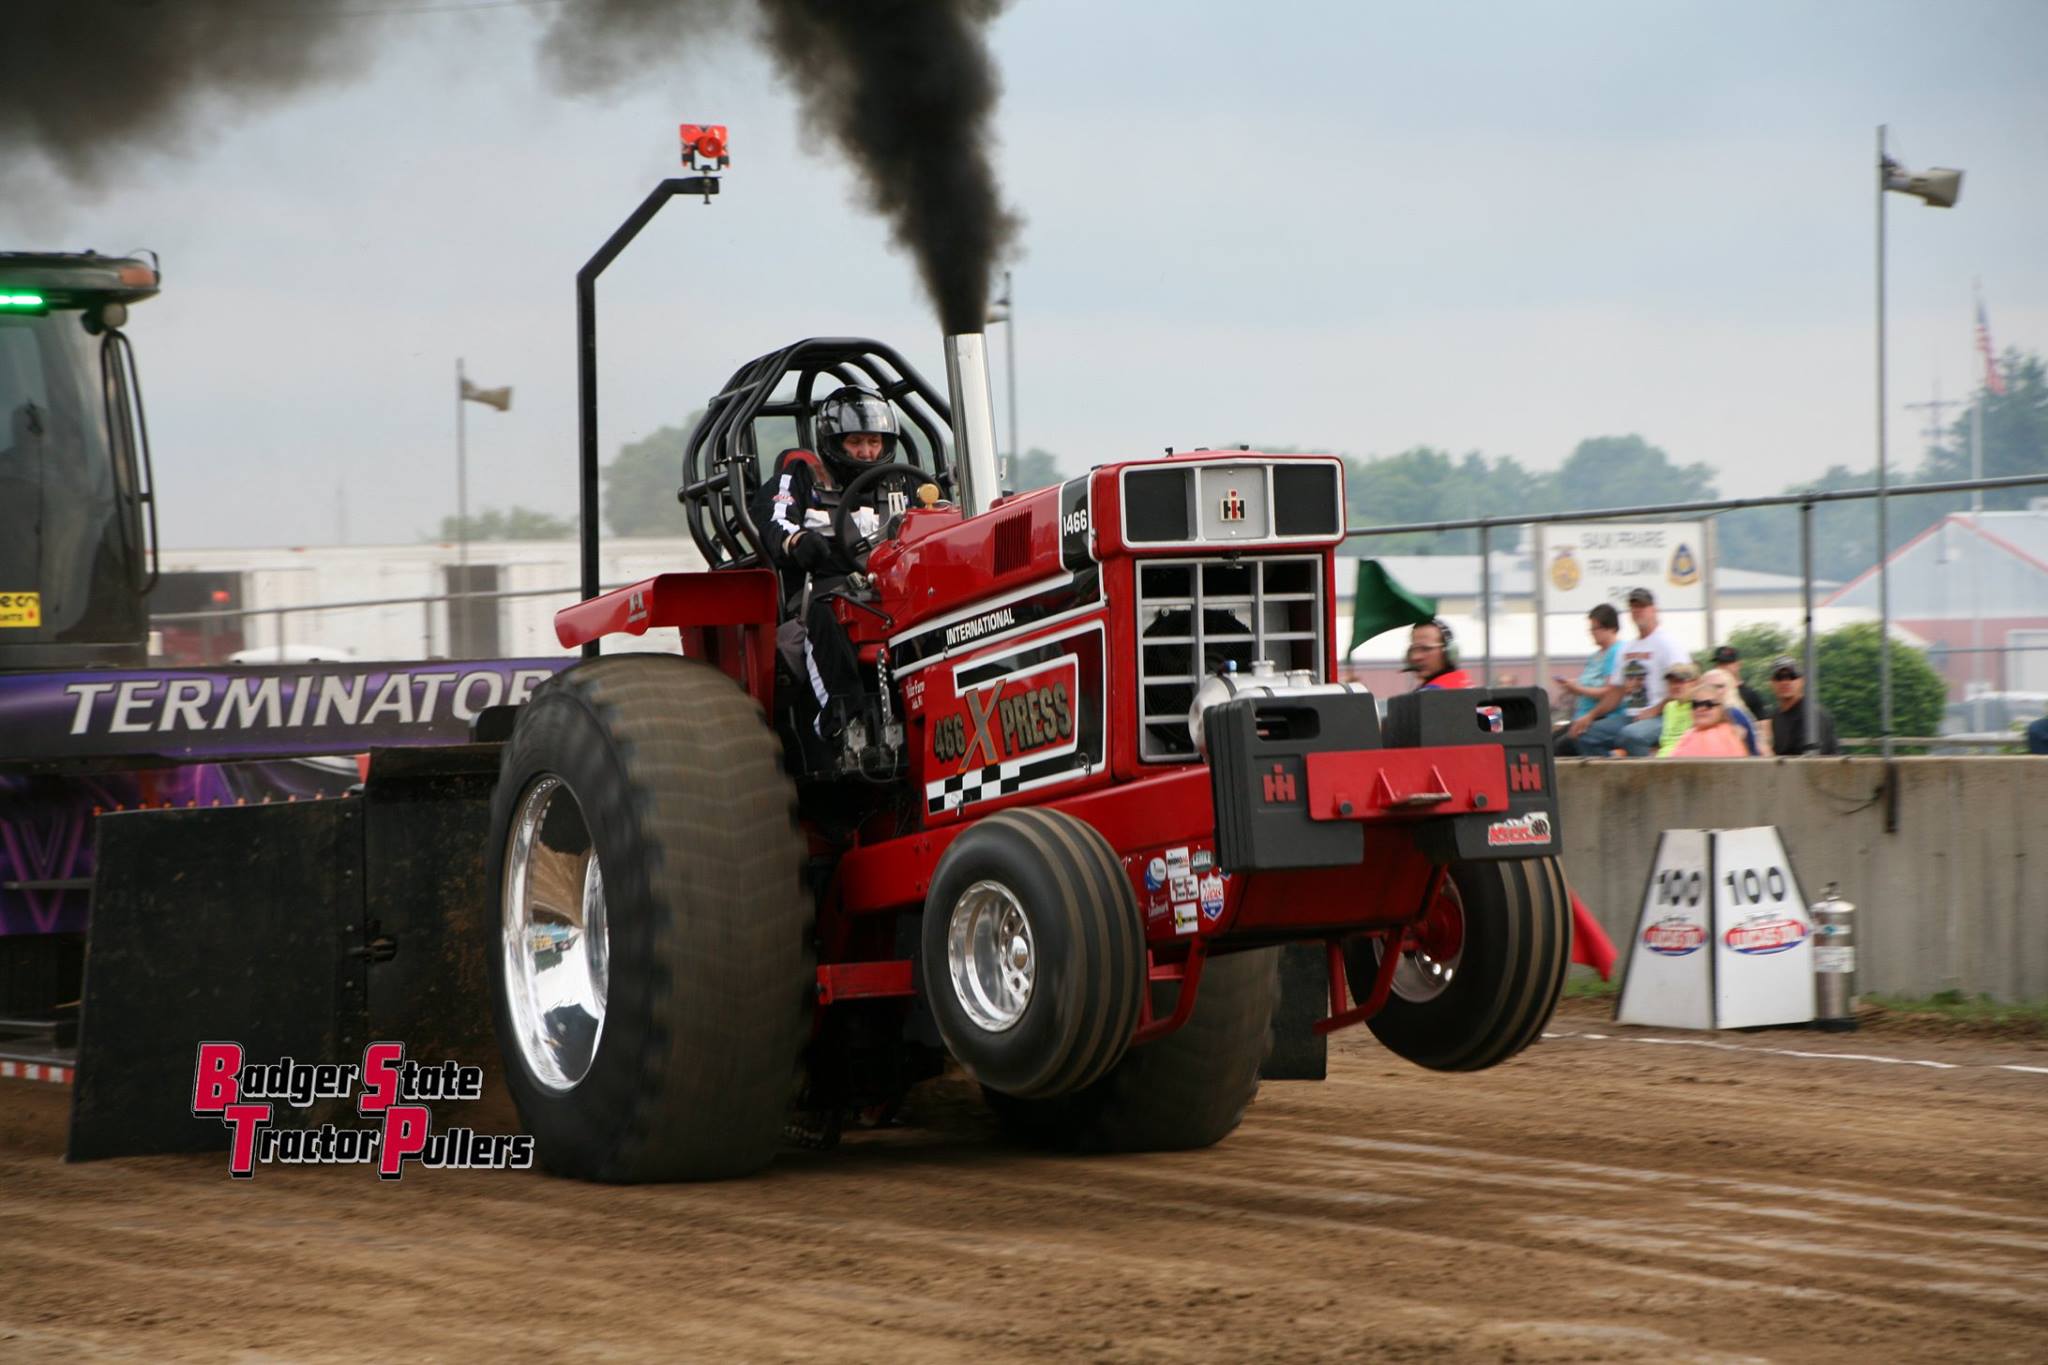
(1834, 962)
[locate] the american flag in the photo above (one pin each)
(1992, 379)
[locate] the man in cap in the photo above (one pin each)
(1802, 725)
(1636, 724)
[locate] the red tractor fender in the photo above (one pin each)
(726, 618)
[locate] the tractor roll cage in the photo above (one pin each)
(722, 469)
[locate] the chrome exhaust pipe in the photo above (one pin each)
(977, 472)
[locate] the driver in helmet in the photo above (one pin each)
(855, 429)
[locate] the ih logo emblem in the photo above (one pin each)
(1233, 506)
(1524, 774)
(1279, 785)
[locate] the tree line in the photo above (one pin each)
(1426, 483)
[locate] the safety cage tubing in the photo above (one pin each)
(720, 473)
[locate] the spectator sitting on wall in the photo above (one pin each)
(1739, 714)
(1729, 659)
(1677, 717)
(1802, 725)
(1711, 736)
(1636, 724)
(2037, 736)
(1591, 688)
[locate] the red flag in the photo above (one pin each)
(1993, 380)
(1589, 944)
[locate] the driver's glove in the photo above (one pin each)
(811, 553)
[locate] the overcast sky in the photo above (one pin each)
(1352, 226)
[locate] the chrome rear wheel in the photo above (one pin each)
(555, 944)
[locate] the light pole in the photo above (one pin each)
(1938, 188)
(501, 399)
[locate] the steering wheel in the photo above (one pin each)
(868, 488)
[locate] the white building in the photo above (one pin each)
(423, 624)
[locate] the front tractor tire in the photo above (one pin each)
(1033, 953)
(651, 979)
(1189, 1089)
(1484, 971)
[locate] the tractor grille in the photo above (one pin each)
(1193, 614)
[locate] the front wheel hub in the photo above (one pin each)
(554, 940)
(1432, 950)
(990, 956)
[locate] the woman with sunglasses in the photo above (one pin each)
(1711, 736)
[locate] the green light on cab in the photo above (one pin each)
(21, 300)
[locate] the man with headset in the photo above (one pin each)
(1433, 654)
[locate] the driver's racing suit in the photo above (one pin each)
(794, 512)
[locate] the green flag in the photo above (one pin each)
(1380, 604)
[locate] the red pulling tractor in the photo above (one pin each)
(1100, 773)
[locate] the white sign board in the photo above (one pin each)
(1763, 953)
(1587, 563)
(1723, 939)
(1666, 982)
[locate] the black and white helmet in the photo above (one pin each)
(850, 410)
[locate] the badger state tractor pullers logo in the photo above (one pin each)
(243, 1097)
(1532, 829)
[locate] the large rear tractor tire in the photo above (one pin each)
(651, 979)
(1033, 953)
(1189, 1089)
(1487, 972)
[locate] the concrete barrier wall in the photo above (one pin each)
(1957, 898)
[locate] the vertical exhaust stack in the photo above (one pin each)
(977, 474)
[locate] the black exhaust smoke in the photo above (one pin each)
(88, 82)
(904, 87)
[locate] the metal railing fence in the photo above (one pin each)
(1805, 503)
(426, 601)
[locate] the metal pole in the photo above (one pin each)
(1710, 550)
(1486, 601)
(586, 366)
(1997, 484)
(1977, 413)
(427, 629)
(461, 514)
(1976, 506)
(1884, 577)
(1812, 649)
(1538, 578)
(1010, 364)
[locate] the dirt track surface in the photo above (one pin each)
(1601, 1198)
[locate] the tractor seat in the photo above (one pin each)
(799, 455)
